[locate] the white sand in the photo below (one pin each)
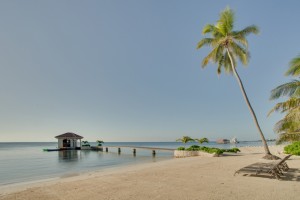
(181, 178)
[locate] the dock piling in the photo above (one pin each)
(153, 152)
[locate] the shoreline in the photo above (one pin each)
(60, 174)
(19, 187)
(16, 187)
(162, 176)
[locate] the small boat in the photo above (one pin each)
(234, 140)
(52, 149)
(222, 141)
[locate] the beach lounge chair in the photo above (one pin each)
(275, 168)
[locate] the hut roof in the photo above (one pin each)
(69, 135)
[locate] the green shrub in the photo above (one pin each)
(209, 149)
(233, 150)
(293, 149)
(181, 148)
(193, 148)
(214, 150)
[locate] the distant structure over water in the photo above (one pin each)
(222, 141)
(69, 141)
(234, 140)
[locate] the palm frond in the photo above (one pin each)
(288, 137)
(288, 105)
(294, 69)
(246, 31)
(240, 39)
(210, 57)
(209, 28)
(240, 52)
(288, 89)
(286, 126)
(293, 115)
(205, 42)
(220, 65)
(226, 21)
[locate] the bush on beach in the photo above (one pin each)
(210, 150)
(293, 149)
(181, 148)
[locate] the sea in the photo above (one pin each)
(22, 162)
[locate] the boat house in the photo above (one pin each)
(222, 141)
(69, 141)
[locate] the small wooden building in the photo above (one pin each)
(68, 141)
(222, 141)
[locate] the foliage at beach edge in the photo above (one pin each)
(210, 150)
(293, 149)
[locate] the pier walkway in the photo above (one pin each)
(134, 148)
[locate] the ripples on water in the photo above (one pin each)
(21, 162)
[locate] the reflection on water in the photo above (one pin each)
(68, 155)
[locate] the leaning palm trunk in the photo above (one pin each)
(267, 151)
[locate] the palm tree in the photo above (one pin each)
(100, 142)
(86, 143)
(228, 46)
(288, 127)
(202, 140)
(185, 139)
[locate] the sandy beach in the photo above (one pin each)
(178, 178)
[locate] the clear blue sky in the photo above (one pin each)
(129, 70)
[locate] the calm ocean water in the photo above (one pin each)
(26, 161)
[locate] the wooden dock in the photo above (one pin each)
(134, 148)
(105, 148)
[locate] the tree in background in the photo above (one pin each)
(85, 144)
(202, 140)
(185, 139)
(288, 128)
(100, 142)
(229, 46)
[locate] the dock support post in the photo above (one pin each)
(106, 149)
(119, 150)
(153, 152)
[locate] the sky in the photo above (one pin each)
(129, 70)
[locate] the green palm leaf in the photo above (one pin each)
(240, 52)
(294, 69)
(246, 31)
(226, 21)
(288, 89)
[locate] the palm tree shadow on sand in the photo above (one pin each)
(293, 174)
